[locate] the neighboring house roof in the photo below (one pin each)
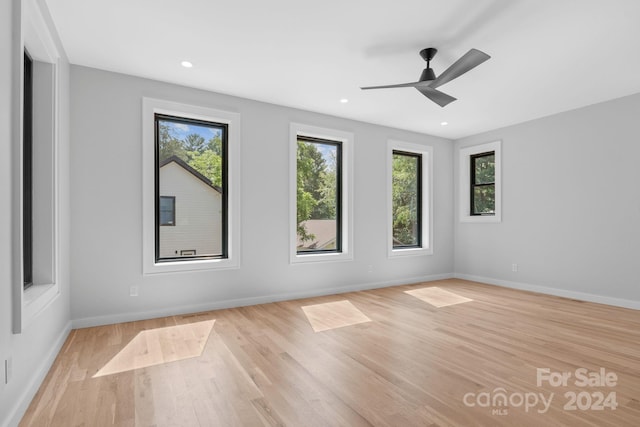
(177, 160)
(324, 231)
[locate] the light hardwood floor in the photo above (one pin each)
(413, 364)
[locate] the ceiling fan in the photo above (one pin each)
(429, 82)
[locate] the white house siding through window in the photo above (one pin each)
(198, 212)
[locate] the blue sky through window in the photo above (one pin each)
(328, 152)
(181, 130)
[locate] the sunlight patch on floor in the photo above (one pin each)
(437, 297)
(332, 315)
(158, 346)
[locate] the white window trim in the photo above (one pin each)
(36, 37)
(150, 107)
(464, 177)
(427, 200)
(347, 140)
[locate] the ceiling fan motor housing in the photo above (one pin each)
(428, 54)
(427, 75)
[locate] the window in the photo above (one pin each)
(482, 185)
(320, 189)
(409, 174)
(190, 163)
(167, 210)
(479, 169)
(35, 177)
(27, 173)
(407, 199)
(191, 172)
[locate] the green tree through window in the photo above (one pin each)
(318, 195)
(406, 199)
(483, 189)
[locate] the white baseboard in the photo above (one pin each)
(242, 302)
(581, 296)
(19, 409)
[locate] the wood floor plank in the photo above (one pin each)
(409, 363)
(437, 297)
(332, 315)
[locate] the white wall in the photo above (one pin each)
(43, 185)
(6, 65)
(106, 244)
(33, 350)
(571, 206)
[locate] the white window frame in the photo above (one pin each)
(37, 39)
(150, 107)
(464, 176)
(427, 199)
(347, 141)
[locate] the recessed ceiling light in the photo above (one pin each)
(344, 100)
(186, 64)
(444, 123)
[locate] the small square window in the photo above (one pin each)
(167, 210)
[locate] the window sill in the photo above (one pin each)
(404, 252)
(320, 257)
(192, 265)
(37, 298)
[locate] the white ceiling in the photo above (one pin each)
(547, 56)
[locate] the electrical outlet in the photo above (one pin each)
(133, 291)
(369, 269)
(514, 267)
